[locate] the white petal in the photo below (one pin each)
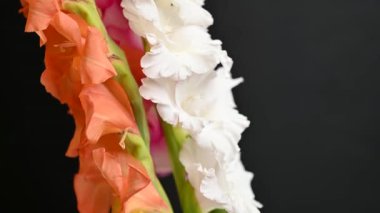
(142, 15)
(217, 174)
(192, 14)
(198, 101)
(183, 52)
(242, 199)
(162, 93)
(159, 62)
(208, 98)
(163, 16)
(226, 62)
(197, 172)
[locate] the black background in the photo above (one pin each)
(311, 88)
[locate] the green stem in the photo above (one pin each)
(175, 137)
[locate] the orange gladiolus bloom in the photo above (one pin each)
(107, 174)
(80, 74)
(107, 110)
(73, 61)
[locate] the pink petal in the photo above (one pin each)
(158, 146)
(102, 4)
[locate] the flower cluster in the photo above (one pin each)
(79, 72)
(95, 62)
(188, 77)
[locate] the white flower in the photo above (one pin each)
(190, 93)
(186, 51)
(215, 171)
(176, 31)
(198, 101)
(159, 17)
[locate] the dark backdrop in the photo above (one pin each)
(312, 91)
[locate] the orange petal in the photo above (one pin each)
(122, 172)
(69, 57)
(104, 112)
(24, 7)
(92, 196)
(42, 36)
(92, 191)
(97, 67)
(120, 94)
(40, 13)
(60, 78)
(146, 200)
(78, 140)
(68, 27)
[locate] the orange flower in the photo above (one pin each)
(76, 56)
(39, 13)
(107, 174)
(82, 46)
(92, 191)
(107, 110)
(79, 73)
(73, 38)
(61, 77)
(73, 61)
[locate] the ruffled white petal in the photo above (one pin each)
(217, 174)
(196, 102)
(186, 51)
(163, 94)
(192, 14)
(142, 15)
(164, 16)
(176, 32)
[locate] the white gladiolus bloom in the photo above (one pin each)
(214, 169)
(186, 51)
(159, 17)
(190, 93)
(197, 101)
(176, 32)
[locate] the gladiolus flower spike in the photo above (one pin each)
(102, 58)
(196, 99)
